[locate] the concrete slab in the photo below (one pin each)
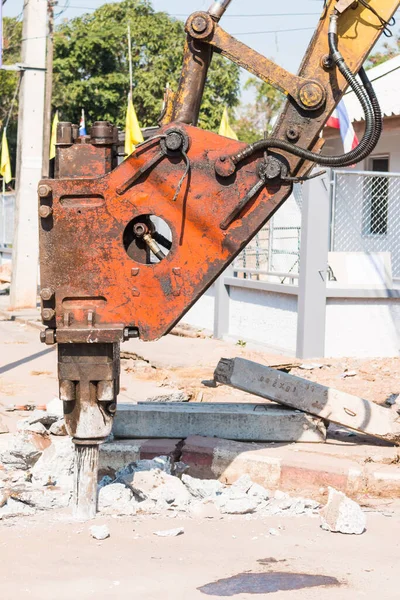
(244, 422)
(328, 403)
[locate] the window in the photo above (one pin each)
(376, 199)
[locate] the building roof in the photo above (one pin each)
(386, 81)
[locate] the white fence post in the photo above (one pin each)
(29, 156)
(221, 305)
(315, 237)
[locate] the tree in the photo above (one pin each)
(91, 66)
(12, 35)
(387, 53)
(254, 120)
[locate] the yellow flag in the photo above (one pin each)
(53, 139)
(5, 167)
(225, 128)
(133, 133)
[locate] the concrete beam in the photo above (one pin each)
(244, 422)
(315, 399)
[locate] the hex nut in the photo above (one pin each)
(199, 24)
(48, 314)
(174, 141)
(46, 293)
(44, 190)
(311, 95)
(45, 211)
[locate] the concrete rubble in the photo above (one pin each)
(39, 479)
(3, 426)
(99, 532)
(342, 515)
(170, 532)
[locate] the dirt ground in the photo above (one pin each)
(47, 557)
(28, 369)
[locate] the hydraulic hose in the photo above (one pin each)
(368, 101)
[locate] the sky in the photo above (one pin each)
(278, 30)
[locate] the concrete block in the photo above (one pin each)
(116, 455)
(244, 422)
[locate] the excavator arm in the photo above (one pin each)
(126, 250)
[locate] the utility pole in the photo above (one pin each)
(29, 155)
(49, 88)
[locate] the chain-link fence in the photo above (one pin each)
(275, 250)
(7, 206)
(366, 214)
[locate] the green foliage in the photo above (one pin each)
(387, 53)
(12, 34)
(255, 119)
(92, 72)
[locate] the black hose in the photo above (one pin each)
(368, 101)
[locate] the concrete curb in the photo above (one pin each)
(275, 466)
(21, 318)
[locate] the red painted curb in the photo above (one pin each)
(283, 467)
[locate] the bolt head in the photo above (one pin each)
(140, 229)
(46, 293)
(311, 95)
(199, 24)
(48, 314)
(174, 141)
(45, 211)
(293, 133)
(44, 190)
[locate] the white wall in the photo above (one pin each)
(362, 328)
(202, 313)
(264, 317)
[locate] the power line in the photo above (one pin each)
(241, 33)
(225, 16)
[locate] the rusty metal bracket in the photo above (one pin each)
(307, 93)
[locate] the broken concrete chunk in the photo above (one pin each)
(244, 483)
(21, 453)
(26, 426)
(342, 515)
(202, 488)
(116, 499)
(41, 416)
(170, 532)
(179, 468)
(13, 508)
(173, 492)
(41, 498)
(56, 465)
(143, 483)
(258, 492)
(3, 426)
(235, 502)
(3, 498)
(58, 428)
(161, 463)
(99, 532)
(55, 408)
(173, 397)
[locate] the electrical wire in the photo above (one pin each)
(13, 101)
(372, 111)
(385, 25)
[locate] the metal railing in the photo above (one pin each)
(275, 250)
(366, 213)
(7, 208)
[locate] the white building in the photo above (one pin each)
(360, 298)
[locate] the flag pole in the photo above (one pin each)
(130, 61)
(3, 206)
